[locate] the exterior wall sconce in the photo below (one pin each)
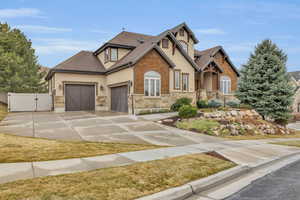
(101, 87)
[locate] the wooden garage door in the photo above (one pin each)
(80, 97)
(119, 99)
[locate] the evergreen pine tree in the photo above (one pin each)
(265, 84)
(19, 70)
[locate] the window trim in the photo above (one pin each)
(106, 55)
(179, 81)
(187, 45)
(155, 85)
(165, 43)
(110, 58)
(188, 77)
(222, 85)
(181, 32)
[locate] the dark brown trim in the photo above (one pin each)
(165, 43)
(177, 70)
(181, 32)
(112, 45)
(188, 84)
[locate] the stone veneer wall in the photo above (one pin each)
(154, 104)
(296, 101)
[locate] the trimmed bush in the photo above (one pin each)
(187, 111)
(202, 104)
(180, 102)
(233, 104)
(214, 104)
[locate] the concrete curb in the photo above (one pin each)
(189, 189)
(204, 184)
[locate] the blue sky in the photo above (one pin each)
(60, 28)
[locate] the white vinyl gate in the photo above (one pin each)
(19, 102)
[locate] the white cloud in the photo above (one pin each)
(211, 31)
(20, 12)
(42, 29)
(46, 46)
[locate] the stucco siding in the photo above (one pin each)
(121, 53)
(190, 43)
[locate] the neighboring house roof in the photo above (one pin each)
(44, 69)
(84, 61)
(295, 75)
(205, 57)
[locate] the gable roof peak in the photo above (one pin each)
(175, 29)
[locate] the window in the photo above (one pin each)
(152, 84)
(181, 32)
(165, 43)
(184, 45)
(185, 82)
(113, 54)
(177, 79)
(106, 55)
(225, 84)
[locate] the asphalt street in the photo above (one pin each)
(283, 184)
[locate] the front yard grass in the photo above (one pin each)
(27, 149)
(117, 183)
(204, 126)
(3, 111)
(289, 143)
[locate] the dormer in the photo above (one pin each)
(186, 38)
(109, 54)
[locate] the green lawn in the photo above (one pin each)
(27, 149)
(117, 183)
(204, 125)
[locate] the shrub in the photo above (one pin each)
(245, 106)
(233, 104)
(187, 111)
(214, 104)
(202, 104)
(180, 102)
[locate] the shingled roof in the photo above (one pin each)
(295, 75)
(84, 61)
(184, 25)
(205, 57)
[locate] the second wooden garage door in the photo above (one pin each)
(119, 99)
(80, 97)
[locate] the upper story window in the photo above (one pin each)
(165, 43)
(225, 84)
(106, 55)
(152, 84)
(113, 54)
(110, 54)
(184, 45)
(177, 79)
(185, 82)
(181, 32)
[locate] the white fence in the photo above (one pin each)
(19, 102)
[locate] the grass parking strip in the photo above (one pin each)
(28, 149)
(117, 183)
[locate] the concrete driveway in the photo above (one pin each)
(295, 125)
(99, 126)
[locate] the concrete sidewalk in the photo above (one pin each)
(244, 153)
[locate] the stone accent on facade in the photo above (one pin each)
(101, 103)
(296, 103)
(155, 104)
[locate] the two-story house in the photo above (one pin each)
(134, 72)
